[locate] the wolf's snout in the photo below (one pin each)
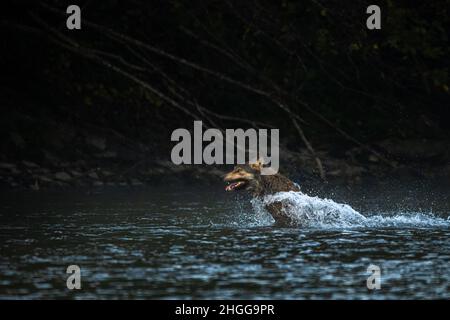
(227, 177)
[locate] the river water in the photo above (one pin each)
(164, 243)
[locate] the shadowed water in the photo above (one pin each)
(205, 243)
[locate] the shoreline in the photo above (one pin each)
(26, 175)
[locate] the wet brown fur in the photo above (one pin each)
(262, 185)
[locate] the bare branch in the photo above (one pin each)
(310, 149)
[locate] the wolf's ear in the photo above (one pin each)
(257, 165)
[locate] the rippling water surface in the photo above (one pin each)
(205, 243)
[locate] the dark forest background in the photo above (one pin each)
(97, 106)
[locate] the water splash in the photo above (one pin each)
(315, 212)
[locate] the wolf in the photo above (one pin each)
(248, 178)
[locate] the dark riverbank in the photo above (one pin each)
(57, 149)
(103, 166)
(96, 107)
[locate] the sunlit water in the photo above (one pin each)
(208, 244)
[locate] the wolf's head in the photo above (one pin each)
(249, 177)
(244, 177)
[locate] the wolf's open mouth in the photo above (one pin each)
(234, 185)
